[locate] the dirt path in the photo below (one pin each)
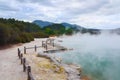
(10, 67)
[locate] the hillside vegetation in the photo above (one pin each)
(13, 31)
(66, 28)
(57, 29)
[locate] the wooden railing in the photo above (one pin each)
(26, 67)
(35, 48)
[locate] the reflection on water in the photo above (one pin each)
(99, 56)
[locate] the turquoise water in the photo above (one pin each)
(98, 56)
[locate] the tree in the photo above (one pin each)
(49, 31)
(4, 34)
(14, 31)
(69, 31)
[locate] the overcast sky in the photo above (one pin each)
(87, 13)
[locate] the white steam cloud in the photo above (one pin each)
(98, 55)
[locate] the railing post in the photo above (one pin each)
(29, 71)
(46, 47)
(50, 42)
(24, 64)
(35, 48)
(21, 56)
(24, 50)
(19, 53)
(42, 43)
(53, 44)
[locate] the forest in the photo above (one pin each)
(14, 31)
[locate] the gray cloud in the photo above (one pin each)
(68, 6)
(7, 8)
(41, 2)
(112, 8)
(77, 11)
(89, 9)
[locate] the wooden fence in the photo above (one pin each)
(26, 67)
(35, 48)
(44, 45)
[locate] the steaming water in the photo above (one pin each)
(98, 56)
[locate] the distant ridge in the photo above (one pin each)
(42, 23)
(76, 27)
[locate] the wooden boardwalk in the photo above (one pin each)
(55, 48)
(51, 47)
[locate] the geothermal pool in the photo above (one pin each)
(98, 55)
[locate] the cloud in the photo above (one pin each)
(96, 21)
(111, 8)
(41, 2)
(84, 8)
(89, 13)
(7, 6)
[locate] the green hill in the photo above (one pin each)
(14, 31)
(57, 29)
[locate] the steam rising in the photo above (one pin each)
(98, 55)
